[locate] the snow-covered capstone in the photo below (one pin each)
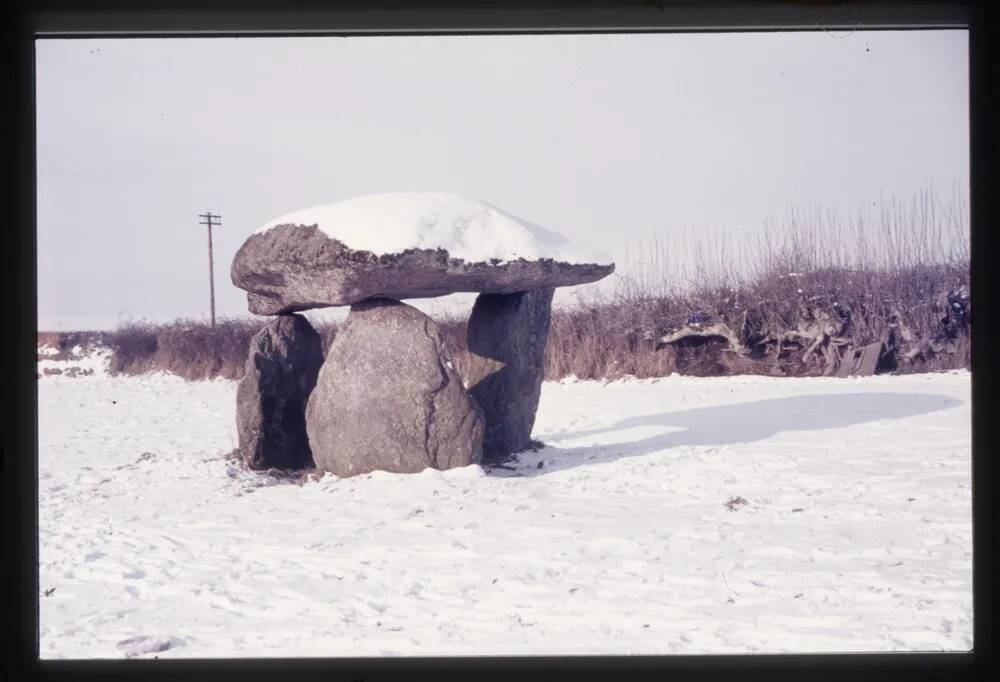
(403, 245)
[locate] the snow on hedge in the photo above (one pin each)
(467, 228)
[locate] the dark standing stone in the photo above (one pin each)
(506, 339)
(284, 359)
(388, 397)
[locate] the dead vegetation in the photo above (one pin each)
(887, 291)
(189, 348)
(836, 322)
(69, 345)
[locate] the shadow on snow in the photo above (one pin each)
(735, 423)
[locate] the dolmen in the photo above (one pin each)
(387, 396)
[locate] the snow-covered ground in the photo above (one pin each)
(627, 534)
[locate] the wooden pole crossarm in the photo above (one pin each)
(209, 220)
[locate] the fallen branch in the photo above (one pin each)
(717, 330)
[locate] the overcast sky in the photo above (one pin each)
(608, 138)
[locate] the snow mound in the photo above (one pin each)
(467, 228)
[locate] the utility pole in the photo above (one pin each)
(208, 220)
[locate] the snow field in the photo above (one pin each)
(855, 534)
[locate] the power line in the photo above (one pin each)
(211, 220)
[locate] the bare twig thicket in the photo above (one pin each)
(190, 348)
(790, 300)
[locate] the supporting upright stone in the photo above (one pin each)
(506, 339)
(284, 360)
(388, 397)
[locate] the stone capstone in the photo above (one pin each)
(506, 340)
(281, 369)
(388, 397)
(298, 267)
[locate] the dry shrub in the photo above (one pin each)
(897, 273)
(617, 336)
(453, 332)
(191, 349)
(64, 343)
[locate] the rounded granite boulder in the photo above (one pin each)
(388, 397)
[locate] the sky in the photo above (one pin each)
(610, 139)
